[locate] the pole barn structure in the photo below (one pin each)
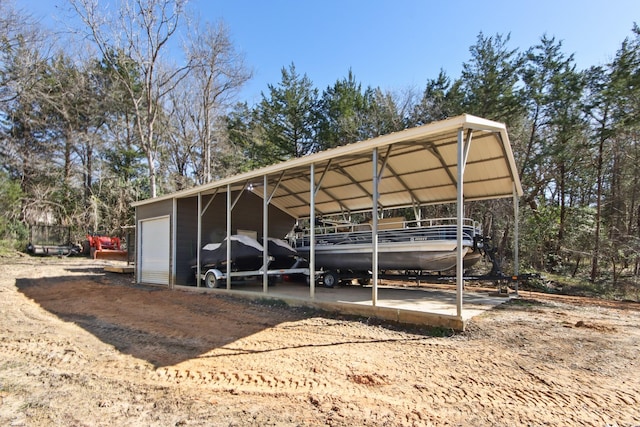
(461, 159)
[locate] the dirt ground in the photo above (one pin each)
(79, 347)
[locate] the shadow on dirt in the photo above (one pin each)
(87, 270)
(148, 322)
(167, 327)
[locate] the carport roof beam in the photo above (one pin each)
(213, 196)
(275, 187)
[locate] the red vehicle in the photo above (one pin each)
(106, 247)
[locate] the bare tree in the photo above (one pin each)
(218, 74)
(141, 31)
(25, 154)
(24, 50)
(182, 151)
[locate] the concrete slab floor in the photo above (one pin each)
(423, 304)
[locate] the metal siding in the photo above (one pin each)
(296, 185)
(391, 185)
(187, 238)
(334, 179)
(247, 215)
(154, 210)
(489, 171)
(484, 189)
(434, 178)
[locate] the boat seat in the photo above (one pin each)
(390, 223)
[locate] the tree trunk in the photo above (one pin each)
(67, 157)
(596, 245)
(152, 177)
(563, 208)
(575, 270)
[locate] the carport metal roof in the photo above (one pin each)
(417, 166)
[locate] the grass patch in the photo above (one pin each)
(9, 248)
(522, 302)
(33, 406)
(424, 330)
(626, 287)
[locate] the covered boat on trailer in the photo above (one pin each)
(247, 259)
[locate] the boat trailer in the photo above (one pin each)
(332, 278)
(215, 278)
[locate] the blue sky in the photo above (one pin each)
(397, 44)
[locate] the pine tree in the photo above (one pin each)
(344, 109)
(289, 117)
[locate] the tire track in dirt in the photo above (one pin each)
(533, 388)
(241, 380)
(39, 350)
(65, 356)
(534, 393)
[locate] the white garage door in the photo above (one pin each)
(154, 250)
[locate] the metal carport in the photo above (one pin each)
(465, 158)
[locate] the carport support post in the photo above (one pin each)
(312, 234)
(374, 231)
(516, 235)
(228, 236)
(460, 219)
(265, 237)
(174, 237)
(199, 241)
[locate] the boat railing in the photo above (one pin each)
(398, 227)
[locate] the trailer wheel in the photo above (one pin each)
(330, 279)
(210, 280)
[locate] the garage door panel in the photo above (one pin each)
(155, 251)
